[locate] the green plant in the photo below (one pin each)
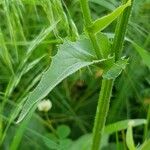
(106, 88)
(53, 76)
(42, 45)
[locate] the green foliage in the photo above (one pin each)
(34, 33)
(103, 22)
(122, 125)
(73, 56)
(85, 141)
(63, 131)
(104, 44)
(61, 142)
(145, 145)
(145, 55)
(116, 69)
(24, 67)
(19, 134)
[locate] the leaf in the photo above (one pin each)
(115, 70)
(145, 145)
(145, 55)
(104, 44)
(63, 131)
(71, 57)
(129, 136)
(121, 125)
(103, 22)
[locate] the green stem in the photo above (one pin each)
(120, 31)
(101, 113)
(86, 12)
(88, 22)
(106, 88)
(107, 85)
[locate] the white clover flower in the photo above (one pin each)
(45, 105)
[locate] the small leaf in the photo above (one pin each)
(103, 22)
(122, 125)
(145, 55)
(116, 69)
(63, 131)
(71, 57)
(129, 136)
(104, 44)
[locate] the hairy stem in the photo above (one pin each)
(88, 22)
(107, 85)
(120, 31)
(101, 112)
(106, 88)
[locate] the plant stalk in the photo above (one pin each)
(101, 112)
(107, 85)
(88, 22)
(120, 31)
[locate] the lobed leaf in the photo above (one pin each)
(71, 57)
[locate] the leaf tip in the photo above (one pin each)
(19, 120)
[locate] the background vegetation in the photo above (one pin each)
(30, 32)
